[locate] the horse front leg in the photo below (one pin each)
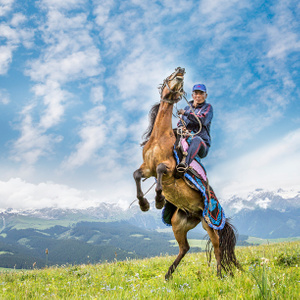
(159, 198)
(143, 202)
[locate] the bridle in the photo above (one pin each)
(181, 92)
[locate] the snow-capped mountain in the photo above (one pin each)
(261, 213)
(280, 200)
(265, 213)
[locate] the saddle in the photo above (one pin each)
(195, 176)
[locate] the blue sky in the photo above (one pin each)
(78, 77)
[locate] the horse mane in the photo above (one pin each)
(152, 117)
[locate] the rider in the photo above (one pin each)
(200, 143)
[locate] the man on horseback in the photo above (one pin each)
(196, 119)
(194, 200)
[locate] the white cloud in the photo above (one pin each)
(70, 55)
(271, 166)
(220, 10)
(66, 4)
(5, 6)
(5, 58)
(97, 94)
(4, 96)
(17, 19)
(33, 143)
(67, 67)
(135, 77)
(53, 99)
(19, 194)
(282, 34)
(12, 37)
(244, 122)
(247, 70)
(93, 136)
(102, 11)
(6, 51)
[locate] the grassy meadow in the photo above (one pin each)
(271, 271)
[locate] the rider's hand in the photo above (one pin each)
(181, 111)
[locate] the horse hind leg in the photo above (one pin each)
(181, 224)
(224, 242)
(143, 202)
(227, 237)
(214, 238)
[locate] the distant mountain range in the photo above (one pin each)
(261, 213)
(266, 214)
(108, 232)
(279, 200)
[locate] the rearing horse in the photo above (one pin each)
(160, 163)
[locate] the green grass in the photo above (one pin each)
(194, 243)
(270, 272)
(5, 252)
(255, 240)
(201, 244)
(22, 222)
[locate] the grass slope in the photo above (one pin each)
(270, 272)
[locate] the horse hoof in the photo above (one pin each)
(159, 203)
(167, 276)
(145, 206)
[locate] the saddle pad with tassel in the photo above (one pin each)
(196, 178)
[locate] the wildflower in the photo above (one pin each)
(264, 261)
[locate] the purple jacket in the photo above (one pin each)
(204, 112)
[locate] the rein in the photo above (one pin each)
(186, 133)
(145, 193)
(181, 93)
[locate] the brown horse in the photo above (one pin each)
(160, 163)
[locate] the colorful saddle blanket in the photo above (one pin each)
(197, 179)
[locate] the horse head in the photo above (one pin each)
(172, 88)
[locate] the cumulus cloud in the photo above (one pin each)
(4, 96)
(102, 10)
(5, 6)
(273, 165)
(67, 67)
(220, 11)
(93, 136)
(260, 94)
(282, 36)
(13, 35)
(17, 19)
(19, 194)
(5, 58)
(95, 67)
(97, 94)
(66, 4)
(33, 143)
(70, 55)
(246, 121)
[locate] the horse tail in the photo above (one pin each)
(152, 117)
(227, 242)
